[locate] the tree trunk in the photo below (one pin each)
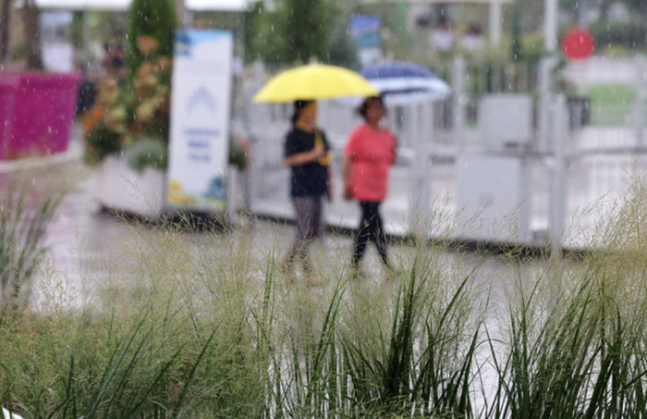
(604, 10)
(31, 16)
(4, 30)
(181, 13)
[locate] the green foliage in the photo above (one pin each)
(295, 32)
(122, 117)
(515, 47)
(146, 152)
(18, 53)
(237, 156)
(153, 18)
(23, 223)
(195, 330)
(532, 48)
(100, 143)
(77, 27)
(262, 40)
(305, 29)
(343, 50)
(629, 35)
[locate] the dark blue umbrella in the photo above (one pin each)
(403, 82)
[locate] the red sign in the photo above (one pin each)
(578, 44)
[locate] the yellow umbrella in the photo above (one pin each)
(314, 82)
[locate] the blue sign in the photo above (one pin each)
(365, 30)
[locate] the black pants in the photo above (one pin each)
(370, 228)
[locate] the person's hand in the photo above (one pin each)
(330, 192)
(318, 152)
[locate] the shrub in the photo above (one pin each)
(123, 117)
(147, 153)
(237, 155)
(156, 19)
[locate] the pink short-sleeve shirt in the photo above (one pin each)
(372, 153)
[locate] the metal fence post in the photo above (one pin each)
(639, 106)
(560, 134)
(495, 23)
(257, 118)
(458, 102)
(546, 66)
(420, 193)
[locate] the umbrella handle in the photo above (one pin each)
(327, 159)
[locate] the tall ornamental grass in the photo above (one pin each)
(24, 217)
(202, 325)
(575, 343)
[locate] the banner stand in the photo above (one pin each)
(200, 113)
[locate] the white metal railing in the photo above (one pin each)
(573, 166)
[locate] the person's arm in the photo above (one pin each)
(306, 157)
(295, 157)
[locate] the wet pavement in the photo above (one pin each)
(86, 243)
(88, 247)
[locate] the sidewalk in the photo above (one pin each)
(601, 163)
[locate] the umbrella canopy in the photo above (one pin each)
(403, 83)
(314, 82)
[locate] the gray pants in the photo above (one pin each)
(308, 211)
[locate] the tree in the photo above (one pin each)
(306, 29)
(295, 31)
(180, 9)
(31, 16)
(154, 18)
(261, 38)
(343, 50)
(4, 29)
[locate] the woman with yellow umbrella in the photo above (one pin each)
(307, 152)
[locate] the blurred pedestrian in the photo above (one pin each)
(368, 156)
(473, 40)
(442, 38)
(307, 154)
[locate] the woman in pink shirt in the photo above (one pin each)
(368, 157)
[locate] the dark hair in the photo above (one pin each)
(298, 105)
(363, 109)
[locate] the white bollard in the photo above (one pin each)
(558, 195)
(8, 415)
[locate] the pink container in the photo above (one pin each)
(43, 114)
(7, 93)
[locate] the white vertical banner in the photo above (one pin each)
(199, 143)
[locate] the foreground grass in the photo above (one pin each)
(185, 329)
